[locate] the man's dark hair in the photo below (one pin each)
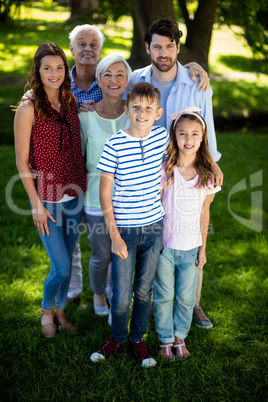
(163, 27)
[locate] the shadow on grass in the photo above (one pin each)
(239, 104)
(239, 97)
(241, 63)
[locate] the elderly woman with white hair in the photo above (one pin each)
(113, 74)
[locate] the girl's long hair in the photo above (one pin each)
(35, 83)
(203, 161)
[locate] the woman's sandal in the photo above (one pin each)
(49, 329)
(169, 355)
(62, 323)
(186, 354)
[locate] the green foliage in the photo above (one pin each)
(106, 9)
(252, 17)
(228, 362)
(9, 8)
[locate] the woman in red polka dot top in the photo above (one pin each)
(47, 135)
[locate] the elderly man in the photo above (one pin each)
(86, 43)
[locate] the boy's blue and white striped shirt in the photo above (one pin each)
(136, 165)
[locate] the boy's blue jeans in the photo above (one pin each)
(59, 246)
(182, 284)
(143, 244)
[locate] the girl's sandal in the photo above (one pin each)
(182, 354)
(168, 353)
(63, 324)
(49, 329)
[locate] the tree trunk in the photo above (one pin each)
(199, 32)
(80, 9)
(199, 29)
(144, 13)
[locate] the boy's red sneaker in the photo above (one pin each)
(141, 352)
(110, 347)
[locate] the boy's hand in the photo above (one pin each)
(119, 248)
(202, 259)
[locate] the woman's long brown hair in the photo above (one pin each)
(35, 83)
(203, 161)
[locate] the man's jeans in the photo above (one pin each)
(59, 246)
(183, 284)
(143, 244)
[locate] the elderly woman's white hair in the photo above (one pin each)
(86, 27)
(108, 61)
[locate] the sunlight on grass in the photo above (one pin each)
(239, 248)
(116, 51)
(245, 280)
(16, 56)
(124, 26)
(226, 41)
(38, 12)
(42, 28)
(30, 292)
(239, 96)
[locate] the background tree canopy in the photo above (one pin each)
(199, 17)
(252, 17)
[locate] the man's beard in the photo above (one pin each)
(164, 68)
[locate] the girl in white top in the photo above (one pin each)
(187, 191)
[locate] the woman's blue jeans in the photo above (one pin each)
(182, 284)
(59, 246)
(143, 244)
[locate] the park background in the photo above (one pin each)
(228, 362)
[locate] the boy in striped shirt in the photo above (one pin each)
(132, 159)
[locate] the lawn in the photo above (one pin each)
(229, 361)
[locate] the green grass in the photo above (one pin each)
(228, 362)
(231, 97)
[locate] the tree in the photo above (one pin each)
(199, 29)
(143, 14)
(6, 8)
(252, 16)
(81, 8)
